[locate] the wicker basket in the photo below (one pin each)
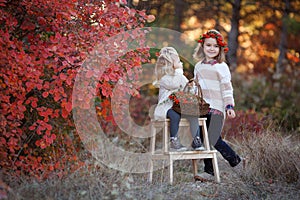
(187, 103)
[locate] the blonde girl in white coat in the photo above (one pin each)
(170, 78)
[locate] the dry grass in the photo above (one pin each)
(272, 172)
(271, 156)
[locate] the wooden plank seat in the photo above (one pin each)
(171, 156)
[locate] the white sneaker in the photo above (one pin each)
(197, 144)
(175, 145)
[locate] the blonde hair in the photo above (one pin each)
(165, 63)
(199, 52)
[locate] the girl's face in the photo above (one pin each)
(177, 63)
(211, 48)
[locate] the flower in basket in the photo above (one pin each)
(183, 97)
(188, 103)
(173, 98)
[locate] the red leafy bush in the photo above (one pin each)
(43, 44)
(245, 122)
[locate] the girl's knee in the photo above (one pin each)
(174, 116)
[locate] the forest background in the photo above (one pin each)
(45, 43)
(263, 48)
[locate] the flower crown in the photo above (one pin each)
(217, 36)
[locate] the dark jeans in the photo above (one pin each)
(226, 151)
(174, 123)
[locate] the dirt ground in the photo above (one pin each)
(95, 181)
(233, 186)
(103, 183)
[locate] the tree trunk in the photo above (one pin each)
(283, 39)
(179, 6)
(233, 35)
(217, 10)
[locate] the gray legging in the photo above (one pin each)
(214, 125)
(174, 123)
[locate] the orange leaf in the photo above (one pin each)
(51, 168)
(39, 159)
(64, 113)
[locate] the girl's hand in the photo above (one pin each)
(230, 113)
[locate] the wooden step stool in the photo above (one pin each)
(171, 156)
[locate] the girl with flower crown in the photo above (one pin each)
(170, 78)
(213, 75)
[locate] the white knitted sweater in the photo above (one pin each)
(215, 81)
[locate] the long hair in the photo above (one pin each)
(199, 52)
(165, 63)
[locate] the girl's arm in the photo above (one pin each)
(226, 86)
(227, 91)
(173, 82)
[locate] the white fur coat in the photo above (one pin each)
(167, 85)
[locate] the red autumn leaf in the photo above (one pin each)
(68, 106)
(46, 85)
(62, 76)
(39, 86)
(51, 168)
(45, 94)
(37, 143)
(64, 113)
(57, 165)
(43, 144)
(48, 140)
(53, 136)
(41, 21)
(32, 127)
(34, 104)
(49, 111)
(56, 97)
(27, 26)
(2, 140)
(39, 159)
(69, 81)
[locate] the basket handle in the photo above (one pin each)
(199, 91)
